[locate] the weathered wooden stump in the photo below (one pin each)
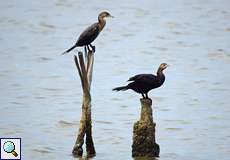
(85, 71)
(144, 143)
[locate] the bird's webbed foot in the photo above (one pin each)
(93, 48)
(88, 49)
(143, 95)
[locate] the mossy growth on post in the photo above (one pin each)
(85, 71)
(144, 143)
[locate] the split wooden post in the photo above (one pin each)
(144, 143)
(85, 71)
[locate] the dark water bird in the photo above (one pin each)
(143, 83)
(90, 33)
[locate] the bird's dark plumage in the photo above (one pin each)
(90, 33)
(143, 83)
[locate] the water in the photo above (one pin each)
(41, 93)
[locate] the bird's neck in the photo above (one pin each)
(160, 75)
(101, 22)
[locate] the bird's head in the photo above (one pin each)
(104, 14)
(163, 66)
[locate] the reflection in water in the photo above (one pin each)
(41, 95)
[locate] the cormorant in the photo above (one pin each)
(91, 33)
(143, 83)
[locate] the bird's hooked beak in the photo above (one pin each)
(110, 16)
(165, 66)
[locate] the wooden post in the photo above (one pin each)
(144, 143)
(85, 71)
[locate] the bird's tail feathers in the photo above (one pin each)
(122, 88)
(70, 49)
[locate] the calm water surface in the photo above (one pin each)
(40, 92)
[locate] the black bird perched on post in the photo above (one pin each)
(143, 83)
(91, 33)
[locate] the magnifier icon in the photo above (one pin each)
(9, 147)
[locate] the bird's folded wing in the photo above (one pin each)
(144, 78)
(89, 33)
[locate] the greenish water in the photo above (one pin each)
(40, 92)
